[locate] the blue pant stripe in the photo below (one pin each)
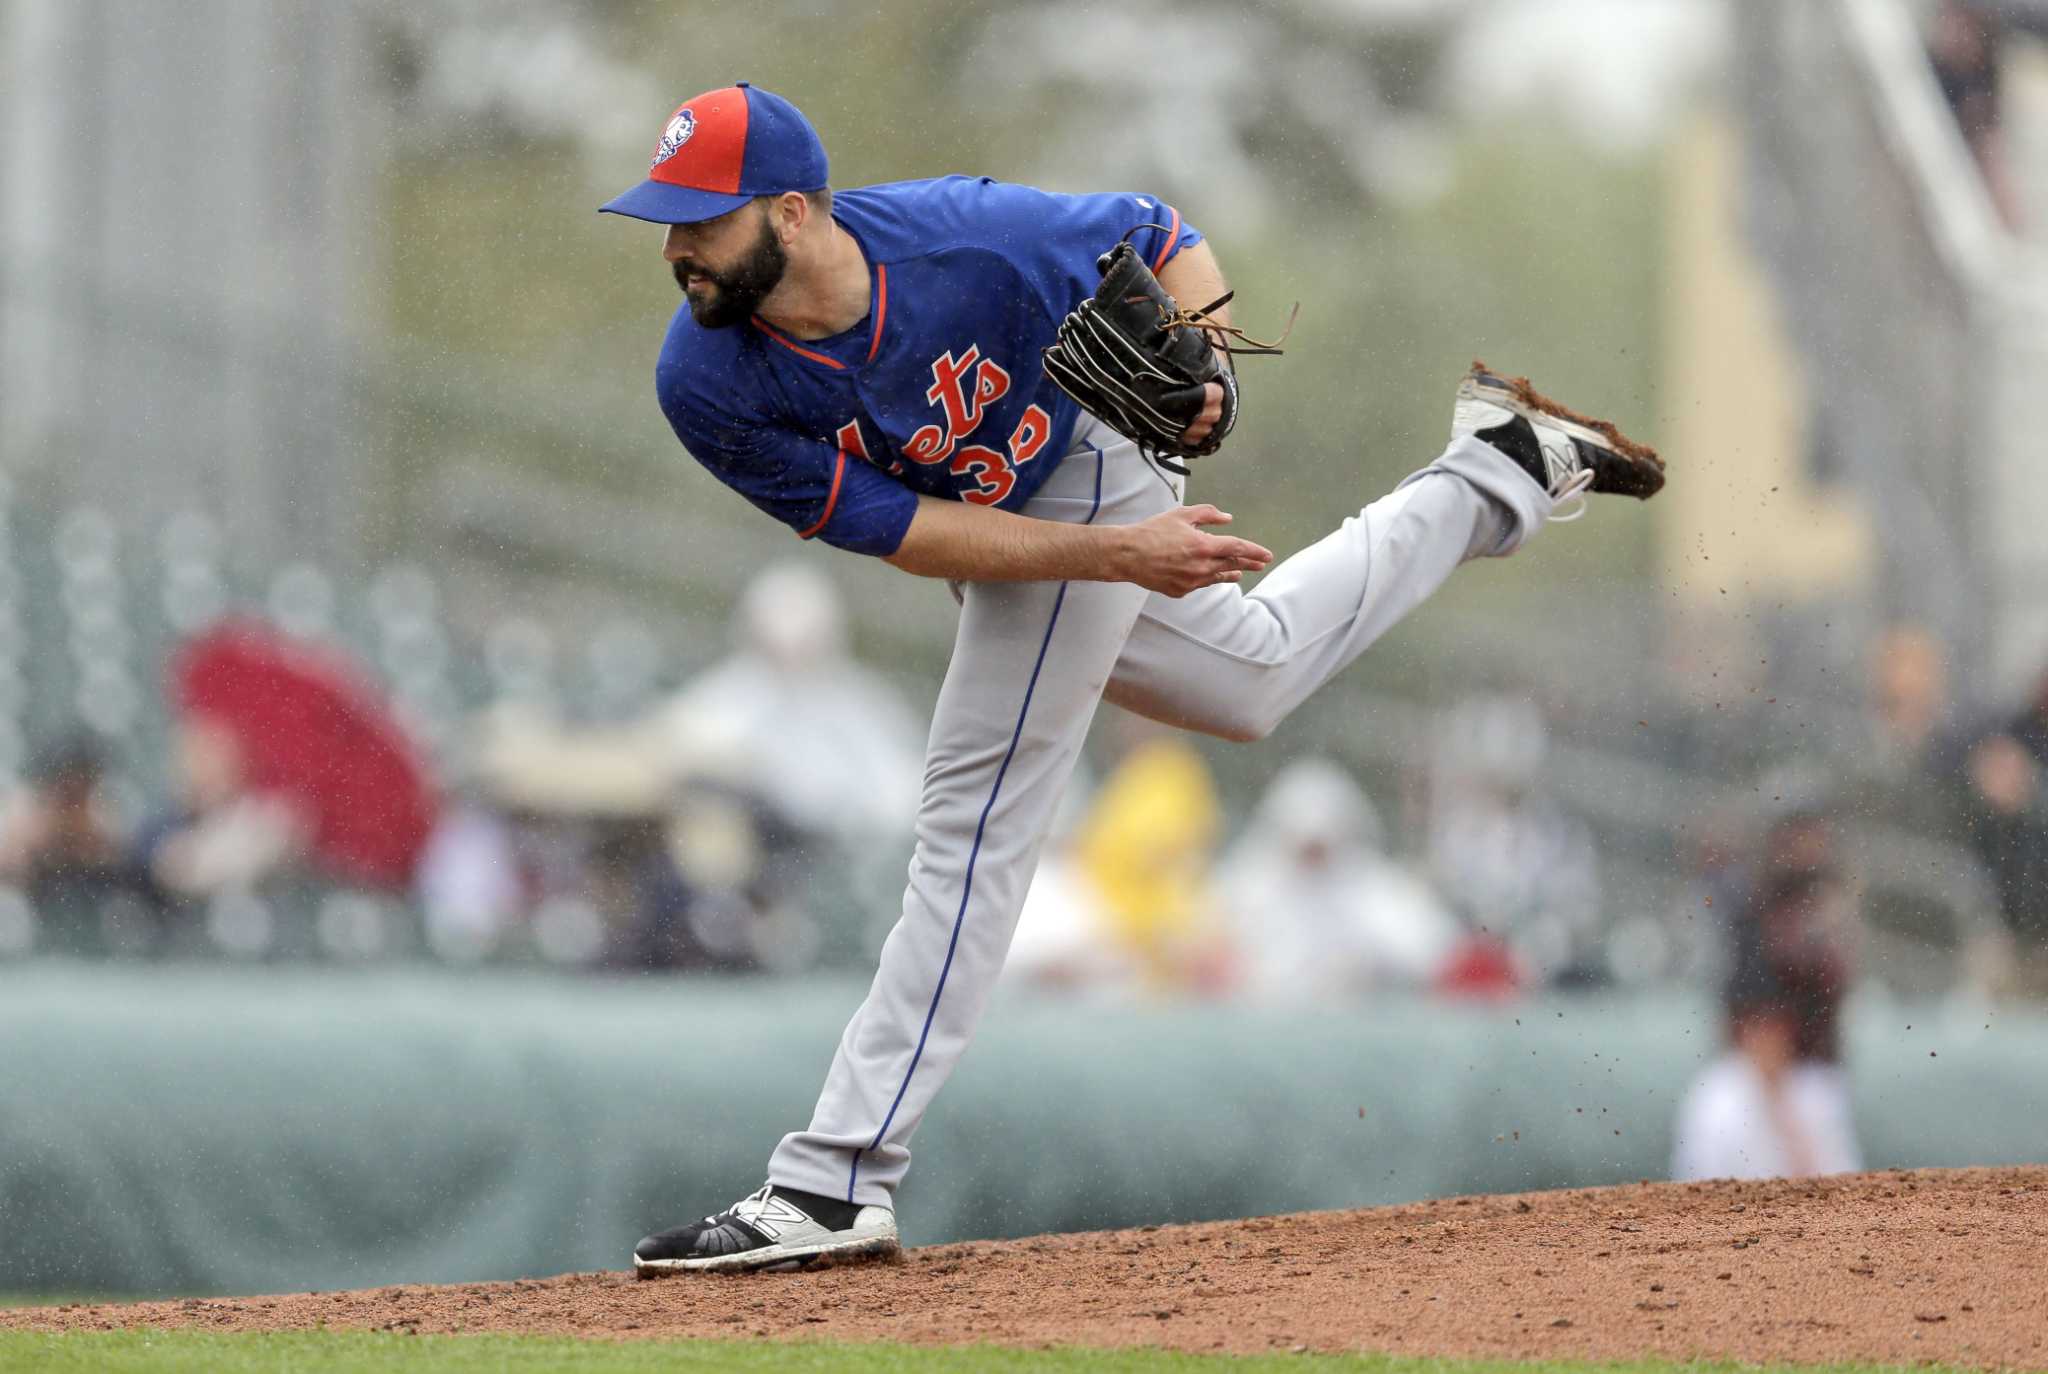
(967, 887)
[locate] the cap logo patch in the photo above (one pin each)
(673, 137)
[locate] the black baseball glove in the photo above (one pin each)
(1135, 360)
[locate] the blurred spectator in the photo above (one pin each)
(1315, 906)
(1929, 910)
(1903, 771)
(300, 730)
(1510, 859)
(57, 841)
(221, 836)
(647, 846)
(471, 886)
(722, 887)
(1965, 45)
(1906, 705)
(825, 741)
(2008, 818)
(1797, 924)
(1145, 851)
(1759, 1110)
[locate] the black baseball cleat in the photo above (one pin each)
(775, 1228)
(1563, 450)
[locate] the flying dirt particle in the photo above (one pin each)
(1562, 1321)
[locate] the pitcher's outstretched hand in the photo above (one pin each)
(1173, 554)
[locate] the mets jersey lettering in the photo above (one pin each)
(964, 387)
(940, 390)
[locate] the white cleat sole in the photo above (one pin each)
(798, 1255)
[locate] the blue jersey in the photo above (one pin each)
(941, 388)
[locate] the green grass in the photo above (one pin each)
(342, 1352)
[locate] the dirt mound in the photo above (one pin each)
(1947, 1265)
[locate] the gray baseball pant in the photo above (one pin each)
(1030, 663)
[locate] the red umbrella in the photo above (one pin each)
(311, 728)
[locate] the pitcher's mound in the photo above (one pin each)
(1939, 1265)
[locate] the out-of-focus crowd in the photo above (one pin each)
(760, 818)
(737, 825)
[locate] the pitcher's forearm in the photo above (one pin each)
(953, 539)
(1172, 552)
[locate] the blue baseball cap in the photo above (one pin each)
(721, 149)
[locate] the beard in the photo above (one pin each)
(729, 297)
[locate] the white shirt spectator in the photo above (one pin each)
(793, 717)
(1729, 1125)
(1316, 908)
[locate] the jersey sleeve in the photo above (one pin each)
(817, 490)
(1085, 227)
(1056, 238)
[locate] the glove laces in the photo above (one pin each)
(1221, 334)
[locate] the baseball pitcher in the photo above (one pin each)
(1001, 387)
